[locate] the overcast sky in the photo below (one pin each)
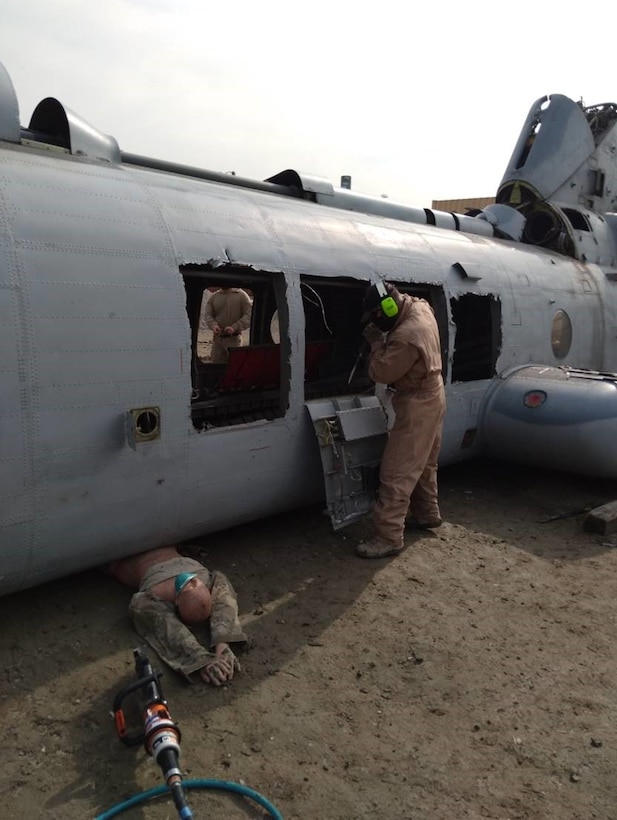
(418, 101)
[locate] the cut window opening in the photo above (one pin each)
(251, 382)
(478, 337)
(333, 333)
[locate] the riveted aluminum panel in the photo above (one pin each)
(351, 433)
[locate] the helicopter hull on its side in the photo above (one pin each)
(117, 435)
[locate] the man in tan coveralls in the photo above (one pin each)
(227, 314)
(408, 359)
(176, 597)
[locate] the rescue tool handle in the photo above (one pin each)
(153, 690)
(136, 739)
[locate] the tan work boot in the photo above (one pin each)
(378, 548)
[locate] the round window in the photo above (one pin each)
(561, 334)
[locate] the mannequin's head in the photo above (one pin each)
(193, 601)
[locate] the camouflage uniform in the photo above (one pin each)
(410, 361)
(178, 645)
(227, 308)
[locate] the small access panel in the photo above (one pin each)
(351, 433)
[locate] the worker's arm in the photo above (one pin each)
(209, 315)
(390, 360)
(244, 322)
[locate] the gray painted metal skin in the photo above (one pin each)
(573, 416)
(93, 323)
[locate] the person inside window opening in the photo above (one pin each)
(227, 313)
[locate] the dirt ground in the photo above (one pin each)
(473, 676)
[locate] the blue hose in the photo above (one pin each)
(223, 785)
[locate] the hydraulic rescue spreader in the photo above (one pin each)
(160, 735)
